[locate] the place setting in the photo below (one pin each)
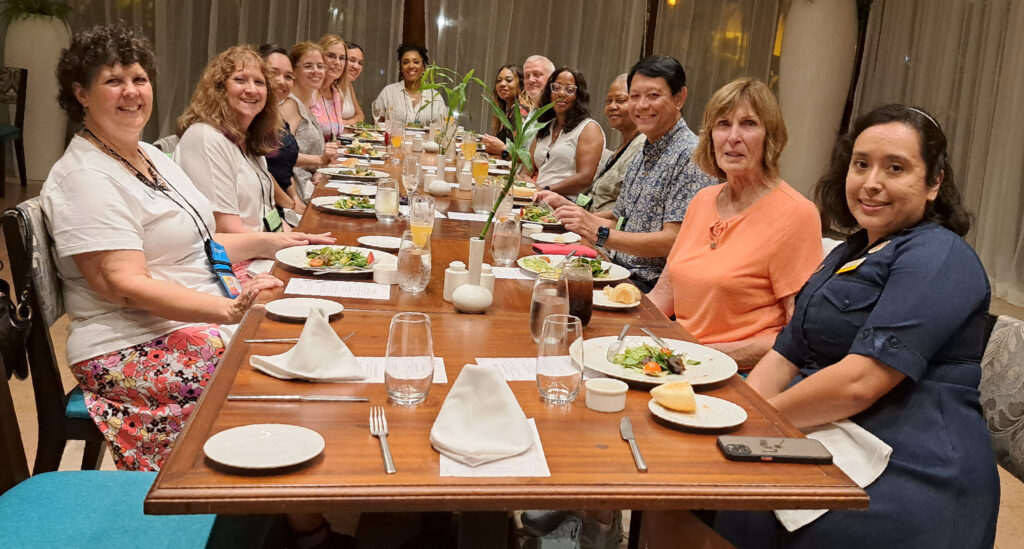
(348, 261)
(355, 174)
(346, 205)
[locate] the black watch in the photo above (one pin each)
(602, 235)
(505, 155)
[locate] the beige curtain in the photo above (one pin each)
(601, 39)
(716, 42)
(963, 61)
(186, 34)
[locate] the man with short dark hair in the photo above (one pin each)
(659, 182)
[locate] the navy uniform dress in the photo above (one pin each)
(916, 303)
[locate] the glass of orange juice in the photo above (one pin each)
(480, 167)
(421, 218)
(468, 146)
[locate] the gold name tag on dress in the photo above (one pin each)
(850, 266)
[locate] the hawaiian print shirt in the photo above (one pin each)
(658, 186)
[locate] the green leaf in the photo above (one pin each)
(499, 114)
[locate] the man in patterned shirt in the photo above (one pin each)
(659, 182)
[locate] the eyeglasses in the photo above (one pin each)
(309, 67)
(567, 90)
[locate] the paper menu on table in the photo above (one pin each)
(338, 288)
(531, 463)
(404, 210)
(466, 216)
(512, 273)
(513, 369)
(374, 368)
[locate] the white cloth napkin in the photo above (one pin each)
(259, 266)
(319, 355)
(857, 452)
(480, 420)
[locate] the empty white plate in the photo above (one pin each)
(556, 238)
(296, 309)
(264, 446)
(381, 242)
(711, 413)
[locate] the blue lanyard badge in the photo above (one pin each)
(222, 268)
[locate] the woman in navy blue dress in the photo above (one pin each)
(889, 332)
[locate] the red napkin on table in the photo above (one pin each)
(564, 249)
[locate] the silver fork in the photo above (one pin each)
(379, 429)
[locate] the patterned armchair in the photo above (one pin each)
(1002, 392)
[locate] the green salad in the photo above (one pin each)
(539, 213)
(654, 361)
(543, 264)
(343, 258)
(353, 203)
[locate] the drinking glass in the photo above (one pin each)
(468, 146)
(385, 204)
(505, 241)
(550, 297)
(411, 171)
(378, 112)
(413, 264)
(580, 284)
(421, 218)
(559, 374)
(483, 196)
(480, 167)
(409, 360)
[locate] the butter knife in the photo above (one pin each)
(658, 340)
(626, 430)
(298, 398)
(615, 348)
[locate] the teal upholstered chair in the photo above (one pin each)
(1002, 392)
(13, 82)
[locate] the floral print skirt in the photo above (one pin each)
(140, 397)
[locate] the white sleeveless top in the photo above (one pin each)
(558, 161)
(348, 108)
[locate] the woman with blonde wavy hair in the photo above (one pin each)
(331, 106)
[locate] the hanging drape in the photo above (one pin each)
(186, 34)
(963, 61)
(601, 39)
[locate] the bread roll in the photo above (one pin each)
(623, 293)
(676, 396)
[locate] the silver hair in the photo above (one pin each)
(551, 66)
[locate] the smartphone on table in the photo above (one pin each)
(774, 449)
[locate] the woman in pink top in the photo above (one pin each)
(746, 246)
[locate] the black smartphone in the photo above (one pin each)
(783, 450)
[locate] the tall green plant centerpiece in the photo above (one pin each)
(452, 87)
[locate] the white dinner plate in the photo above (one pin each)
(601, 301)
(497, 171)
(714, 365)
(296, 309)
(375, 137)
(296, 257)
(349, 173)
(382, 242)
(615, 272)
(555, 238)
(353, 189)
(711, 413)
(344, 154)
(264, 446)
(326, 203)
(501, 163)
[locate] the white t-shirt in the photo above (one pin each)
(232, 182)
(93, 203)
(560, 164)
(430, 108)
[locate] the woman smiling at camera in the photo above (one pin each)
(746, 246)
(509, 94)
(404, 100)
(310, 72)
(889, 333)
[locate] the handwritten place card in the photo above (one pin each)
(510, 272)
(513, 369)
(531, 463)
(338, 288)
(465, 216)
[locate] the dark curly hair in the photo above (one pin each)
(946, 210)
(90, 51)
(580, 110)
(405, 48)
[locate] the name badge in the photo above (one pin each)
(221, 265)
(272, 221)
(851, 266)
(583, 200)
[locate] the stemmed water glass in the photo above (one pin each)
(411, 171)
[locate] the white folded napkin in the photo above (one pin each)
(319, 355)
(857, 452)
(480, 420)
(259, 266)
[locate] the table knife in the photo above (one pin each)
(615, 348)
(626, 430)
(299, 398)
(658, 340)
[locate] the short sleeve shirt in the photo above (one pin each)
(659, 184)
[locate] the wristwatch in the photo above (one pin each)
(505, 155)
(602, 235)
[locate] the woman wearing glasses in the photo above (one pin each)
(568, 150)
(310, 71)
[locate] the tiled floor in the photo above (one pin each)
(1009, 534)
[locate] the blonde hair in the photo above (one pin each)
(327, 41)
(209, 103)
(762, 101)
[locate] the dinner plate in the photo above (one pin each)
(296, 309)
(501, 163)
(382, 242)
(615, 272)
(555, 238)
(349, 173)
(601, 301)
(711, 413)
(264, 446)
(353, 189)
(497, 171)
(295, 256)
(714, 365)
(362, 156)
(375, 137)
(326, 203)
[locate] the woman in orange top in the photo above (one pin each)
(746, 246)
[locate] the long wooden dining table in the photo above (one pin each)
(591, 466)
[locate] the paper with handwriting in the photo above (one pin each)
(338, 288)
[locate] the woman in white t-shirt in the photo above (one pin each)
(130, 234)
(405, 100)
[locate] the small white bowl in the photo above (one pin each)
(605, 394)
(531, 229)
(385, 273)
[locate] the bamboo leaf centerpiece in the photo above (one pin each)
(452, 87)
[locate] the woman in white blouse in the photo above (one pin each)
(404, 100)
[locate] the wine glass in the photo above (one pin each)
(559, 374)
(409, 359)
(411, 171)
(378, 112)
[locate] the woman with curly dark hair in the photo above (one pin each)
(888, 334)
(404, 100)
(568, 149)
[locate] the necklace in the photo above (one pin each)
(716, 231)
(156, 183)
